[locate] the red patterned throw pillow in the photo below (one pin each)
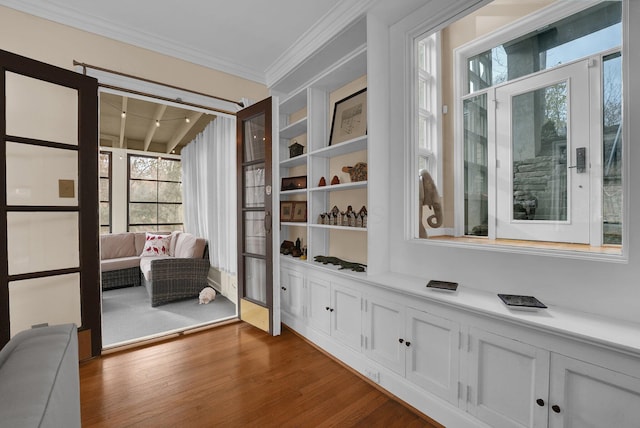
(156, 245)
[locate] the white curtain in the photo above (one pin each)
(209, 191)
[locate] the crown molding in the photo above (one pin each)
(325, 29)
(96, 25)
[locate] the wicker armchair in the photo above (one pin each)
(176, 278)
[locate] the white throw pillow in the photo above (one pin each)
(156, 245)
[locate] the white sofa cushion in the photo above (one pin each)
(189, 246)
(117, 245)
(119, 263)
(145, 265)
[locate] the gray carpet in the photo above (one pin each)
(127, 314)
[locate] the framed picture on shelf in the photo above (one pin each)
(286, 210)
(294, 183)
(349, 118)
(299, 211)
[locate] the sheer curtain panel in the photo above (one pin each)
(209, 190)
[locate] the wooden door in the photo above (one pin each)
(255, 220)
(49, 272)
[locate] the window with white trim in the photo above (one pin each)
(428, 104)
(530, 152)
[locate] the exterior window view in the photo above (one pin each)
(539, 124)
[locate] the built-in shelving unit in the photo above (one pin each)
(305, 116)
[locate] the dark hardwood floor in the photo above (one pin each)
(233, 376)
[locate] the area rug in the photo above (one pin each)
(127, 315)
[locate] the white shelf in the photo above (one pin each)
(294, 103)
(294, 223)
(349, 146)
(293, 192)
(328, 226)
(296, 161)
(294, 129)
(342, 186)
(290, 259)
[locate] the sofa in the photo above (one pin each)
(171, 266)
(39, 378)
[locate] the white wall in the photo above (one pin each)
(604, 288)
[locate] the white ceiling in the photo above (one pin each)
(242, 37)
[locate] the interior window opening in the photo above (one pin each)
(534, 168)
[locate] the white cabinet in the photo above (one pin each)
(506, 378)
(319, 294)
(513, 384)
(292, 293)
(335, 309)
(583, 395)
(420, 346)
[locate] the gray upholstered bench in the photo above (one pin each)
(39, 378)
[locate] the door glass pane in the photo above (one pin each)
(539, 154)
(612, 150)
(53, 107)
(476, 185)
(255, 278)
(32, 301)
(254, 186)
(39, 241)
(56, 180)
(254, 138)
(254, 233)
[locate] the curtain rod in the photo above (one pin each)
(95, 67)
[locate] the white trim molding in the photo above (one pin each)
(155, 43)
(325, 29)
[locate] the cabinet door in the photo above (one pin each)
(506, 377)
(385, 334)
(292, 293)
(589, 396)
(433, 353)
(346, 315)
(319, 304)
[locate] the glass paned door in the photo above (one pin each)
(255, 264)
(48, 200)
(544, 157)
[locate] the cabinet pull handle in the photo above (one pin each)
(284, 288)
(407, 343)
(540, 402)
(326, 308)
(401, 340)
(331, 310)
(555, 408)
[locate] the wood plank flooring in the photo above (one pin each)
(233, 376)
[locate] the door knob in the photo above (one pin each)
(555, 408)
(540, 402)
(401, 340)
(407, 343)
(326, 308)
